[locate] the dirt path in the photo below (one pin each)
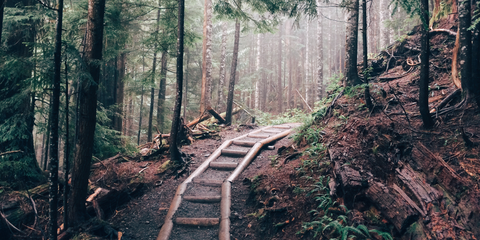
(143, 217)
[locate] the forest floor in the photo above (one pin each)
(396, 178)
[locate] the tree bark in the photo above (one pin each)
(87, 112)
(223, 69)
(174, 151)
(141, 105)
(207, 57)
(465, 49)
(279, 80)
(351, 74)
(289, 57)
(66, 155)
(475, 56)
(162, 92)
(424, 68)
(2, 7)
(307, 63)
(53, 197)
(319, 77)
(258, 73)
(366, 71)
(119, 90)
(154, 66)
(233, 70)
(384, 16)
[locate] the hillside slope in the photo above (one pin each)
(378, 174)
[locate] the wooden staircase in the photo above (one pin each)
(201, 205)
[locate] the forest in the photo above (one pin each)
(107, 106)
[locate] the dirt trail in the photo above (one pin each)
(143, 217)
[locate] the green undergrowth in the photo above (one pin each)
(330, 218)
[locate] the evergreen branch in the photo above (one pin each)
(45, 5)
(10, 152)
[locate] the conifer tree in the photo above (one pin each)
(87, 110)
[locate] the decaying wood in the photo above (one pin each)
(423, 192)
(350, 180)
(463, 193)
(304, 101)
(393, 205)
(438, 170)
(17, 211)
(216, 115)
(446, 100)
(442, 30)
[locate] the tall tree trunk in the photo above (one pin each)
(119, 92)
(87, 110)
(185, 93)
(368, 100)
(384, 17)
(141, 104)
(258, 74)
(351, 74)
(2, 7)
(289, 57)
(221, 79)
(233, 71)
(475, 56)
(161, 93)
(174, 151)
(152, 90)
(53, 198)
(66, 150)
(319, 77)
(279, 80)
(307, 63)
(207, 57)
(424, 68)
(465, 49)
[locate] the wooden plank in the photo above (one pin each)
(272, 131)
(233, 152)
(204, 222)
(203, 199)
(243, 143)
(282, 126)
(208, 182)
(224, 165)
(258, 136)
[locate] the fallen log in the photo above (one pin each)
(423, 192)
(216, 115)
(461, 191)
(393, 205)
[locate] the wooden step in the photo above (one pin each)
(233, 152)
(243, 143)
(223, 165)
(209, 182)
(258, 136)
(282, 127)
(272, 131)
(203, 199)
(204, 222)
